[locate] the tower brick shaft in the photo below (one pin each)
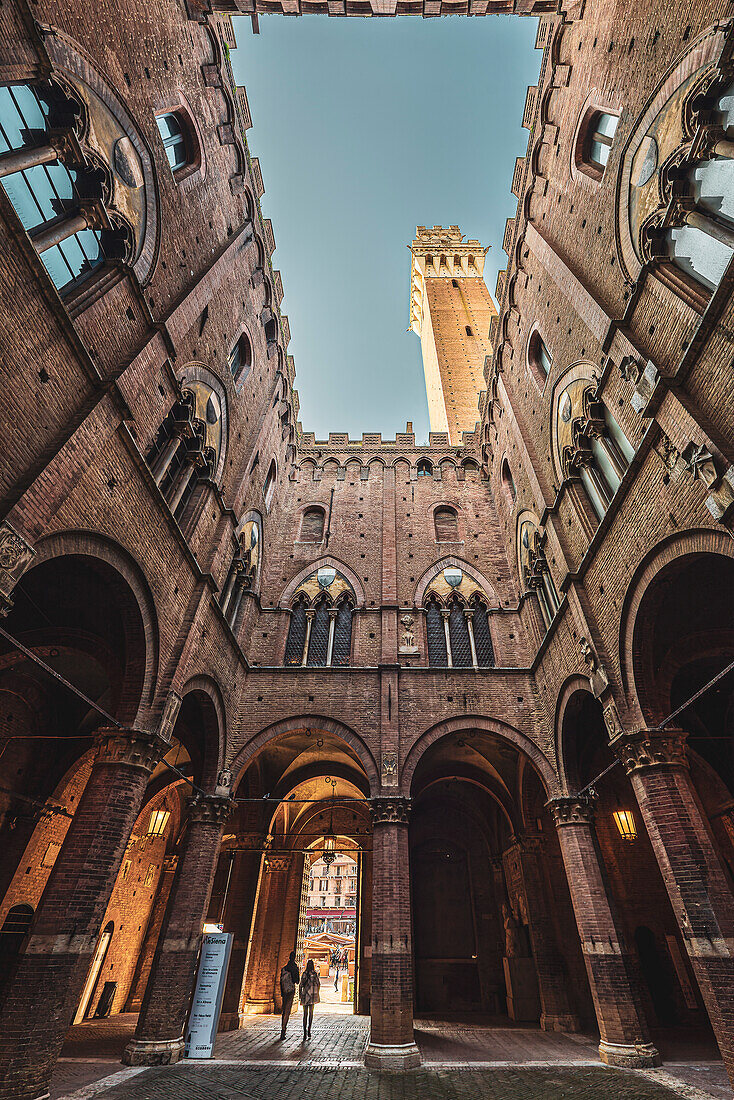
(451, 310)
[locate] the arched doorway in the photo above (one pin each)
(304, 797)
(648, 929)
(484, 860)
(680, 642)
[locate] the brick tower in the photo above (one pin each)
(451, 310)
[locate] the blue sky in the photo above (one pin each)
(366, 128)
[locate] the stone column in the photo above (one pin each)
(392, 1043)
(364, 963)
(159, 1036)
(41, 996)
(264, 949)
(550, 965)
(657, 766)
(611, 968)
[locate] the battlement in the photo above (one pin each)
(371, 441)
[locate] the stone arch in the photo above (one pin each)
(569, 688)
(306, 572)
(582, 369)
(435, 569)
(215, 740)
(504, 732)
(92, 545)
(196, 371)
(674, 548)
(307, 721)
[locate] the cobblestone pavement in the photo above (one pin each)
(242, 1082)
(253, 1064)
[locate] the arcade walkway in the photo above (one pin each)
(461, 1060)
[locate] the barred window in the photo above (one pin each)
(461, 655)
(318, 643)
(437, 652)
(342, 634)
(482, 636)
(296, 635)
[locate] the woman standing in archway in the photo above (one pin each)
(308, 994)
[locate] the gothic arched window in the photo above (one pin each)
(424, 468)
(446, 524)
(436, 634)
(186, 450)
(534, 572)
(320, 632)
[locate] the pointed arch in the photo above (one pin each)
(308, 570)
(459, 563)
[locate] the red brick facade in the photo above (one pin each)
(494, 624)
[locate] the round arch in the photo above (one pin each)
(307, 721)
(215, 724)
(504, 732)
(89, 544)
(676, 547)
(569, 690)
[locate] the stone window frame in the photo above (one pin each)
(533, 361)
(194, 170)
(245, 370)
(582, 168)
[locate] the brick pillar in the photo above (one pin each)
(612, 970)
(159, 1036)
(392, 1043)
(262, 959)
(42, 994)
(238, 918)
(550, 965)
(684, 847)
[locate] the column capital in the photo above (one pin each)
(388, 810)
(651, 748)
(276, 863)
(574, 809)
(133, 748)
(209, 809)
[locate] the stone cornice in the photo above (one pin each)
(651, 748)
(390, 810)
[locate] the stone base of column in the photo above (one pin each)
(629, 1055)
(162, 1052)
(391, 1059)
(559, 1023)
(258, 1008)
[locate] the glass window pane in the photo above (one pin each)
(89, 242)
(712, 186)
(599, 152)
(725, 113)
(176, 150)
(544, 357)
(21, 117)
(606, 125)
(22, 199)
(605, 467)
(699, 255)
(168, 126)
(74, 256)
(55, 264)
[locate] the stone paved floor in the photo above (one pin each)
(462, 1060)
